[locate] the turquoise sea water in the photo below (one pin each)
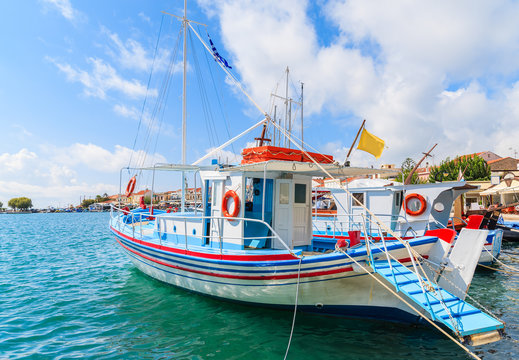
(66, 291)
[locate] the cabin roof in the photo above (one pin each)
(305, 168)
(295, 167)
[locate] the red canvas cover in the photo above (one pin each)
(446, 235)
(265, 153)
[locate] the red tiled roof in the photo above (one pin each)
(496, 160)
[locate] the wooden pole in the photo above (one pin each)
(410, 176)
(346, 162)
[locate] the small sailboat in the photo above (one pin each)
(252, 242)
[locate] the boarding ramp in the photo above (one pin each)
(446, 306)
(459, 316)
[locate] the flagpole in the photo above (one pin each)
(346, 162)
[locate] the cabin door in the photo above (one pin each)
(216, 227)
(283, 213)
(301, 221)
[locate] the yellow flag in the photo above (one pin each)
(370, 143)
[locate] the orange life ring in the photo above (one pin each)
(225, 201)
(420, 210)
(131, 186)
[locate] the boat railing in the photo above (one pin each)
(215, 234)
(462, 221)
(443, 226)
(425, 283)
(339, 224)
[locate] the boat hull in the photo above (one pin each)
(492, 248)
(328, 283)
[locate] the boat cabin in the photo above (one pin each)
(408, 210)
(263, 203)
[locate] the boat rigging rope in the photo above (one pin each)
(384, 226)
(295, 307)
(408, 304)
(427, 262)
(212, 134)
(379, 222)
(219, 94)
(424, 284)
(147, 91)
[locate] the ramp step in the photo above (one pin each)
(468, 319)
(461, 314)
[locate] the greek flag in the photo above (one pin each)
(217, 56)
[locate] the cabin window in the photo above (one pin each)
(300, 194)
(398, 199)
(284, 193)
(359, 197)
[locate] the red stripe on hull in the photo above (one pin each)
(241, 277)
(210, 256)
(376, 238)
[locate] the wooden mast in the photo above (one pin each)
(410, 176)
(184, 25)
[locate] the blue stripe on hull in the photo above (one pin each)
(262, 270)
(302, 280)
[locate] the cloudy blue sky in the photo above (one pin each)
(76, 82)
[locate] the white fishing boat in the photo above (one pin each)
(252, 242)
(408, 210)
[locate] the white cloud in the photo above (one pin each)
(132, 55)
(223, 156)
(153, 125)
(61, 175)
(128, 112)
(419, 72)
(96, 158)
(144, 17)
(17, 161)
(103, 78)
(20, 132)
(64, 7)
(44, 195)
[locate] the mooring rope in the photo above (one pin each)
(514, 270)
(467, 295)
(499, 270)
(411, 306)
(295, 308)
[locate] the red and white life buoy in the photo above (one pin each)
(131, 186)
(415, 197)
(230, 194)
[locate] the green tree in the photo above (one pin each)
(102, 198)
(147, 200)
(1, 204)
(87, 202)
(21, 203)
(473, 169)
(407, 166)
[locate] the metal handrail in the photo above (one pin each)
(388, 259)
(350, 220)
(198, 218)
